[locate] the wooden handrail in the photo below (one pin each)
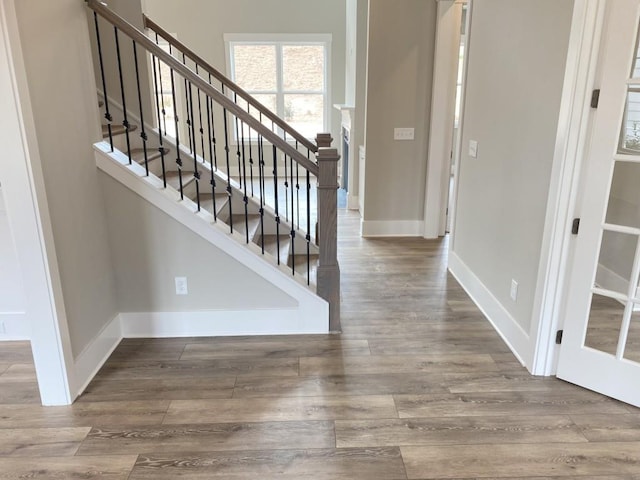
(141, 39)
(247, 97)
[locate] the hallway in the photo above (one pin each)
(418, 386)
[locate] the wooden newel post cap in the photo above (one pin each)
(324, 140)
(327, 154)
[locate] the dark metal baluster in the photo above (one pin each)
(211, 154)
(125, 122)
(176, 120)
(200, 120)
(308, 236)
(213, 130)
(235, 99)
(107, 115)
(275, 194)
(286, 185)
(262, 192)
(298, 192)
(226, 149)
(293, 227)
(250, 154)
(245, 198)
(164, 111)
(196, 172)
(156, 69)
(143, 133)
(189, 113)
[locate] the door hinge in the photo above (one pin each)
(559, 337)
(575, 226)
(595, 98)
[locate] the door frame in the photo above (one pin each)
(443, 103)
(29, 221)
(572, 143)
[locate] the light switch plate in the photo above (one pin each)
(473, 149)
(404, 133)
(181, 286)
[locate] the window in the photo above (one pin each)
(286, 73)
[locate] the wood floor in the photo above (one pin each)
(418, 386)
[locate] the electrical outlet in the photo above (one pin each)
(473, 149)
(181, 286)
(514, 290)
(3, 329)
(403, 133)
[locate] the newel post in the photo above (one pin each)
(328, 277)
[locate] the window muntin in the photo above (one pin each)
(288, 75)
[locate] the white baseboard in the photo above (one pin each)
(14, 326)
(219, 323)
(353, 202)
(398, 228)
(506, 326)
(96, 354)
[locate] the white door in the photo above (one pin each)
(601, 345)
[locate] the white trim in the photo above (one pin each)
(511, 332)
(443, 100)
(392, 228)
(115, 164)
(457, 151)
(353, 202)
(16, 326)
(293, 38)
(28, 214)
(571, 142)
(219, 323)
(94, 356)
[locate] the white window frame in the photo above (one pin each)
(280, 40)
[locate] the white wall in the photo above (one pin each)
(57, 57)
(201, 24)
(400, 71)
(150, 249)
(515, 77)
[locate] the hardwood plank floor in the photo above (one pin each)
(418, 386)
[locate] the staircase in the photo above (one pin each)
(223, 156)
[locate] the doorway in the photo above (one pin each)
(446, 108)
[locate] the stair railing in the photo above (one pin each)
(228, 85)
(273, 176)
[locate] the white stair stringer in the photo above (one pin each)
(312, 312)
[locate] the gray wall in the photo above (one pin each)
(55, 41)
(400, 72)
(515, 77)
(131, 11)
(150, 249)
(201, 24)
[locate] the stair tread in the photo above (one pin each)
(116, 129)
(299, 263)
(173, 179)
(271, 244)
(206, 201)
(240, 224)
(137, 154)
